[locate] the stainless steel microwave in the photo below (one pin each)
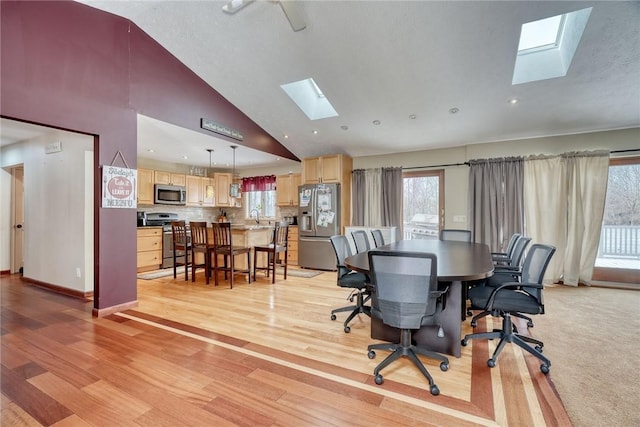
(170, 194)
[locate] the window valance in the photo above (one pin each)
(259, 183)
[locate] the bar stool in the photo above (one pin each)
(223, 245)
(181, 244)
(279, 243)
(200, 245)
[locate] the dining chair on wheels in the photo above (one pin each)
(200, 247)
(378, 238)
(408, 298)
(223, 246)
(361, 240)
(523, 296)
(181, 247)
(347, 278)
(279, 244)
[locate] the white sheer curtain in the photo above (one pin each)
(373, 189)
(564, 204)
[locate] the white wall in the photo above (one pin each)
(58, 207)
(456, 177)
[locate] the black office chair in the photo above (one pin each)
(502, 274)
(406, 288)
(501, 258)
(378, 238)
(455, 235)
(347, 278)
(524, 296)
(361, 240)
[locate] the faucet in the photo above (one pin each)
(257, 215)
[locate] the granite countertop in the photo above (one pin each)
(252, 226)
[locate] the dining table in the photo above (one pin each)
(458, 264)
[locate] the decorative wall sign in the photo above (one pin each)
(222, 130)
(119, 187)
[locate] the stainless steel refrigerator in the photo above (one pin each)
(318, 219)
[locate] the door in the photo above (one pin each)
(17, 248)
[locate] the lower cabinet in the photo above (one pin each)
(292, 254)
(149, 252)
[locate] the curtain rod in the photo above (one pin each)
(437, 166)
(624, 151)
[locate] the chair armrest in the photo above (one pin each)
(510, 286)
(437, 294)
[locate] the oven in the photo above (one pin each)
(164, 220)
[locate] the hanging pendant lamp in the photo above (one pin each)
(234, 188)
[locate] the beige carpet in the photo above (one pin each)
(592, 336)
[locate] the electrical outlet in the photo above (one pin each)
(459, 218)
(78, 273)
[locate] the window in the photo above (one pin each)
(422, 205)
(262, 201)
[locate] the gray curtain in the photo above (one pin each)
(496, 202)
(392, 184)
(358, 197)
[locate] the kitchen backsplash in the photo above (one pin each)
(194, 213)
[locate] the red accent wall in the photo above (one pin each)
(70, 66)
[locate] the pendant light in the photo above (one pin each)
(234, 188)
(210, 150)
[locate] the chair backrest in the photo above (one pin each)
(221, 234)
(179, 233)
(518, 251)
(378, 238)
(455, 235)
(403, 283)
(512, 243)
(281, 234)
(361, 240)
(342, 250)
(534, 267)
(199, 236)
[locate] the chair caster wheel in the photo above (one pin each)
(491, 363)
(434, 390)
(469, 313)
(463, 343)
(347, 329)
(444, 366)
(333, 317)
(539, 348)
(378, 379)
(529, 324)
(474, 323)
(371, 354)
(544, 368)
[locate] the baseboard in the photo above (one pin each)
(102, 312)
(616, 285)
(59, 289)
(5, 272)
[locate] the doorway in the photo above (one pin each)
(423, 204)
(17, 219)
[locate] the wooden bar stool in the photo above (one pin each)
(223, 245)
(279, 243)
(181, 244)
(200, 245)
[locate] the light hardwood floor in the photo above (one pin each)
(257, 354)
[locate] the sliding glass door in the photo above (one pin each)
(423, 204)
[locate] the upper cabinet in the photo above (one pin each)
(200, 191)
(326, 169)
(223, 185)
(161, 177)
(145, 186)
(287, 189)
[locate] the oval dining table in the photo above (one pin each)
(457, 264)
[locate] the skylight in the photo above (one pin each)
(310, 99)
(547, 46)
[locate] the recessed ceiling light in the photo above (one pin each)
(315, 132)
(513, 101)
(286, 136)
(376, 122)
(344, 127)
(454, 110)
(412, 117)
(151, 150)
(185, 157)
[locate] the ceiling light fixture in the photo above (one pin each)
(454, 110)
(376, 122)
(315, 132)
(210, 151)
(234, 188)
(413, 117)
(513, 101)
(235, 5)
(344, 127)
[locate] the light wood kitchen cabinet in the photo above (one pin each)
(145, 186)
(200, 191)
(287, 189)
(149, 249)
(223, 185)
(161, 177)
(326, 169)
(292, 251)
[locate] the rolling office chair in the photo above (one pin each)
(455, 235)
(406, 287)
(524, 296)
(279, 244)
(378, 238)
(361, 240)
(500, 258)
(181, 247)
(502, 274)
(348, 278)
